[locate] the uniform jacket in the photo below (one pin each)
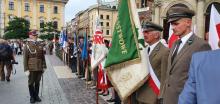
(177, 73)
(158, 59)
(202, 86)
(34, 59)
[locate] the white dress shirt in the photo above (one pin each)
(184, 40)
(152, 47)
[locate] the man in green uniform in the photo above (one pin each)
(34, 65)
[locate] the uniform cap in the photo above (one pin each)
(150, 26)
(33, 32)
(176, 13)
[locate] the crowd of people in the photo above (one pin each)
(81, 66)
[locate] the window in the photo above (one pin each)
(41, 23)
(107, 23)
(101, 16)
(143, 3)
(137, 4)
(41, 8)
(101, 23)
(107, 17)
(11, 5)
(27, 7)
(55, 24)
(107, 32)
(113, 7)
(55, 9)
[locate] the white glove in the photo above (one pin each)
(27, 73)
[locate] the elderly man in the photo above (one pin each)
(34, 65)
(158, 55)
(180, 53)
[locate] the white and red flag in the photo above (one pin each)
(99, 52)
(172, 37)
(214, 28)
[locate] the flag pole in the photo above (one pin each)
(86, 61)
(77, 55)
(97, 96)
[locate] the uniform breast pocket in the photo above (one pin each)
(32, 63)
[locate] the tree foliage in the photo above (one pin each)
(48, 31)
(17, 28)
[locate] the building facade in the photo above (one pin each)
(86, 20)
(1, 19)
(37, 12)
(158, 9)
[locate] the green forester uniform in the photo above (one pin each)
(34, 62)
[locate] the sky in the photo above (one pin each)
(74, 6)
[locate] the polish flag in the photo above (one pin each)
(214, 28)
(98, 57)
(172, 37)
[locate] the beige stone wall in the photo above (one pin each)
(83, 22)
(199, 6)
(88, 18)
(34, 13)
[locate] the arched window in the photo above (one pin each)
(113, 7)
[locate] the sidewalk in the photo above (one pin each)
(16, 91)
(60, 86)
(73, 87)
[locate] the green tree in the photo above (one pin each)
(48, 31)
(17, 28)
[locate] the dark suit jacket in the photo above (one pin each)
(158, 59)
(202, 86)
(177, 72)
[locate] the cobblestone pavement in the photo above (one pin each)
(16, 91)
(74, 88)
(60, 86)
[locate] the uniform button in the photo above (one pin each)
(168, 85)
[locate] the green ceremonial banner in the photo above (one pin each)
(124, 42)
(127, 65)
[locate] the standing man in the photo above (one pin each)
(81, 71)
(50, 48)
(203, 82)
(70, 53)
(6, 59)
(158, 55)
(180, 53)
(34, 65)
